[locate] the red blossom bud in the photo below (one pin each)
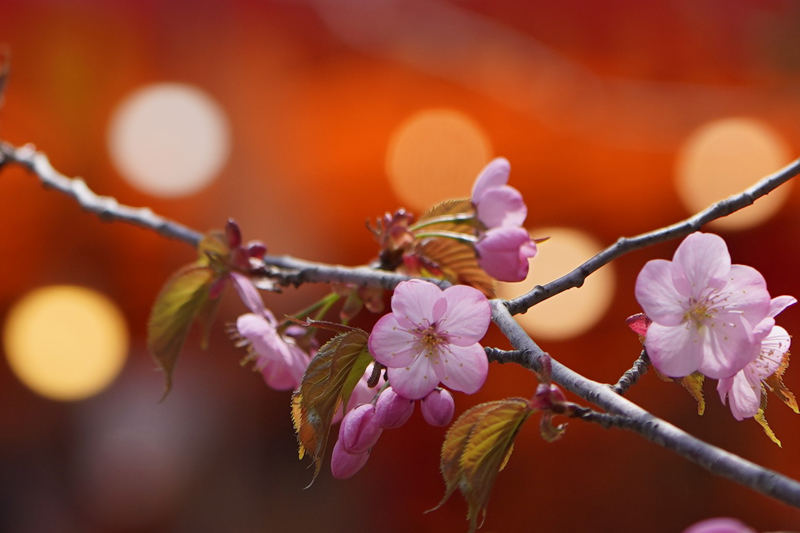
(233, 234)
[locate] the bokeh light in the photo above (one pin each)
(169, 139)
(575, 311)
(65, 342)
(725, 157)
(435, 155)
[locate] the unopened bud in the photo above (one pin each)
(345, 464)
(358, 433)
(438, 407)
(392, 410)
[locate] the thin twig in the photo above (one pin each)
(636, 419)
(106, 207)
(629, 244)
(631, 376)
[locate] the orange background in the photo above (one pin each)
(589, 101)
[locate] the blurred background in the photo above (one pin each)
(303, 119)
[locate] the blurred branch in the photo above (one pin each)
(626, 245)
(106, 207)
(634, 418)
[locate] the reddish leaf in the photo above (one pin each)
(327, 383)
(477, 447)
(184, 298)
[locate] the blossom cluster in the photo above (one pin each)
(715, 318)
(505, 246)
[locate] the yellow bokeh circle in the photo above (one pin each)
(65, 342)
(435, 155)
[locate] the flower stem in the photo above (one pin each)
(324, 304)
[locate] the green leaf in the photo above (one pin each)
(184, 297)
(327, 383)
(477, 447)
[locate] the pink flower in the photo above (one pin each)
(279, 360)
(432, 336)
(719, 525)
(358, 431)
(703, 309)
(496, 203)
(744, 389)
(503, 253)
(438, 407)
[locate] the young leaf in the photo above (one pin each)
(327, 383)
(762, 419)
(477, 447)
(447, 258)
(694, 384)
(184, 298)
(775, 384)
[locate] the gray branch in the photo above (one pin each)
(106, 207)
(632, 417)
(629, 244)
(631, 376)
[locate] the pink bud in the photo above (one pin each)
(358, 433)
(438, 407)
(345, 464)
(504, 252)
(392, 410)
(256, 249)
(547, 395)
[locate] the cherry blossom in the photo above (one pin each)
(392, 410)
(345, 464)
(431, 336)
(503, 253)
(703, 308)
(719, 525)
(496, 203)
(358, 431)
(744, 389)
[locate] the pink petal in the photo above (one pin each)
(414, 303)
(744, 397)
(261, 334)
(675, 351)
(493, 175)
(416, 380)
(467, 317)
(247, 292)
(727, 347)
(776, 305)
(746, 292)
(719, 525)
(655, 291)
(773, 348)
(702, 260)
(391, 344)
(502, 206)
(462, 368)
(285, 373)
(344, 464)
(504, 252)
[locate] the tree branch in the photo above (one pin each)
(629, 244)
(106, 207)
(631, 376)
(636, 419)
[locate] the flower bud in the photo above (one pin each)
(438, 407)
(392, 410)
(503, 252)
(345, 464)
(358, 433)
